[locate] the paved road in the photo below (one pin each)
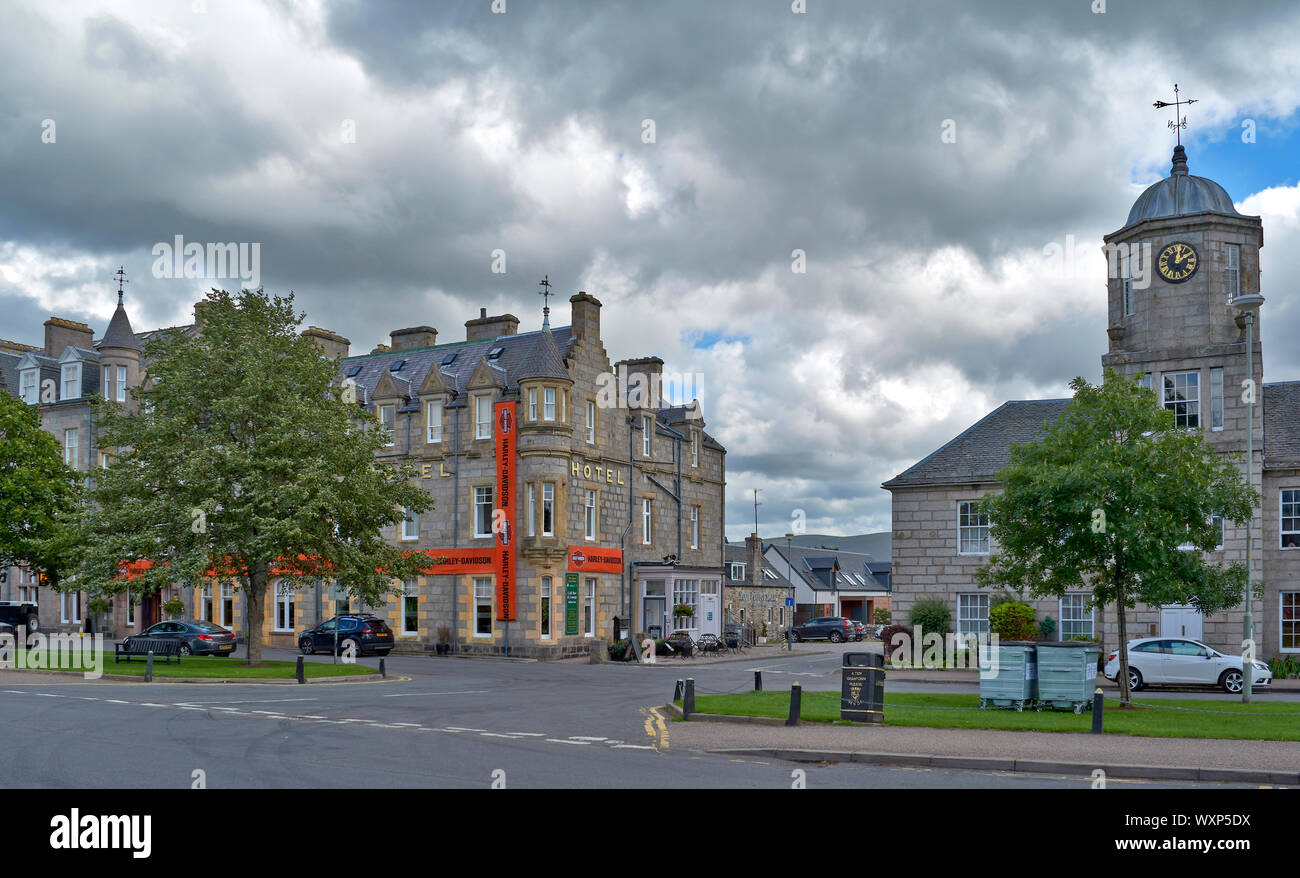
(434, 723)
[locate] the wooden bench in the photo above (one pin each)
(139, 647)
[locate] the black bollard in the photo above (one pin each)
(383, 672)
(688, 699)
(1097, 711)
(677, 692)
(301, 676)
(148, 667)
(758, 681)
(796, 704)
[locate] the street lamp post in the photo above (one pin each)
(789, 568)
(1249, 304)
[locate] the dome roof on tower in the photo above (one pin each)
(1180, 194)
(119, 334)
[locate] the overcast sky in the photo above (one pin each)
(380, 153)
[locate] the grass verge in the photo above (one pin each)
(1267, 721)
(205, 667)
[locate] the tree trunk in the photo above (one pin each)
(255, 604)
(1125, 694)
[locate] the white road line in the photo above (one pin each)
(463, 729)
(585, 738)
(307, 716)
(497, 735)
(529, 734)
(566, 741)
(462, 692)
(48, 695)
(115, 701)
(406, 724)
(248, 701)
(224, 709)
(152, 704)
(267, 712)
(633, 747)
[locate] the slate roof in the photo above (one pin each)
(977, 454)
(9, 373)
(818, 568)
(119, 333)
(543, 360)
(1282, 425)
(1180, 194)
(738, 553)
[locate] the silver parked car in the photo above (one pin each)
(1178, 661)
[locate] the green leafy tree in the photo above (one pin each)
(39, 494)
(1104, 500)
(246, 460)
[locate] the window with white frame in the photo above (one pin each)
(410, 524)
(121, 384)
(589, 608)
(686, 592)
(483, 511)
(1144, 380)
(411, 607)
(1216, 399)
(1289, 500)
(205, 604)
(70, 607)
(591, 422)
(548, 404)
(695, 448)
(130, 610)
(29, 382)
(647, 520)
(227, 604)
(589, 514)
(285, 605)
(432, 422)
(483, 417)
(532, 403)
(564, 396)
(1182, 396)
(548, 509)
(482, 606)
(70, 447)
(647, 430)
(1216, 521)
(532, 509)
(1232, 270)
(737, 572)
(388, 420)
(71, 381)
(546, 592)
(972, 614)
(1289, 618)
(1076, 616)
(695, 527)
(972, 529)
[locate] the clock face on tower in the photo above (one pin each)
(1177, 262)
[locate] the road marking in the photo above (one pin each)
(462, 692)
(245, 701)
(529, 734)
(267, 712)
(633, 747)
(406, 724)
(567, 741)
(115, 701)
(496, 735)
(463, 729)
(585, 738)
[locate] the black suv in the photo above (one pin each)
(832, 628)
(368, 635)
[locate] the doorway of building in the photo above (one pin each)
(709, 618)
(1180, 620)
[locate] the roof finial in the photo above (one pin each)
(545, 293)
(120, 274)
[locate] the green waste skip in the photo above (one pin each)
(1013, 679)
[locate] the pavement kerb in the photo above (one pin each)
(1034, 766)
(78, 677)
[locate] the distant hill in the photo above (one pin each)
(876, 545)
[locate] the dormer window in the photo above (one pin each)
(388, 420)
(483, 417)
(433, 422)
(71, 388)
(28, 382)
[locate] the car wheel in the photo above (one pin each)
(305, 647)
(184, 649)
(794, 635)
(1232, 681)
(33, 624)
(837, 637)
(1134, 679)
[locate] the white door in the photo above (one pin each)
(1180, 621)
(709, 620)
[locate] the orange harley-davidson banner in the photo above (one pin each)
(503, 516)
(594, 560)
(450, 562)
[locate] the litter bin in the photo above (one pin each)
(862, 687)
(1067, 673)
(1012, 681)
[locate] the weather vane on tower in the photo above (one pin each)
(1180, 121)
(120, 274)
(545, 293)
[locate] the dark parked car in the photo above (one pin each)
(20, 614)
(861, 628)
(367, 633)
(832, 628)
(196, 637)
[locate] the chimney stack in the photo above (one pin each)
(413, 337)
(331, 344)
(755, 547)
(62, 334)
(641, 380)
(585, 316)
(485, 327)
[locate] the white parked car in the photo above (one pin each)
(1177, 661)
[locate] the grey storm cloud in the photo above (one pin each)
(922, 305)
